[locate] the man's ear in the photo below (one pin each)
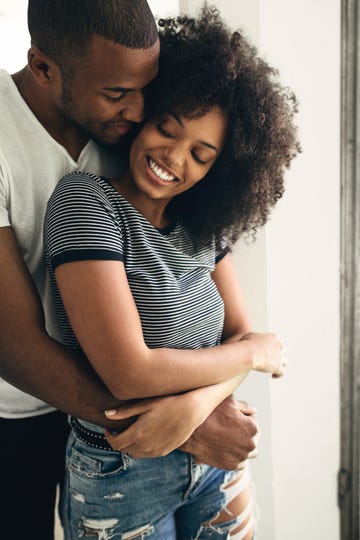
(44, 70)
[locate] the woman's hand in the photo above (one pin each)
(163, 424)
(268, 353)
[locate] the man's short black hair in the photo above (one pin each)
(63, 29)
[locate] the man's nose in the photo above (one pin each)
(134, 106)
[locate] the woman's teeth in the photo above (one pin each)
(159, 172)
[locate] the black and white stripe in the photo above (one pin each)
(169, 275)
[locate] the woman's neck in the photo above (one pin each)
(152, 209)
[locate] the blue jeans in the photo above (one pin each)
(110, 495)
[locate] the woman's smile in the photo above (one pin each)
(160, 172)
(176, 152)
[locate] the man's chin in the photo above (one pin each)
(123, 143)
(106, 142)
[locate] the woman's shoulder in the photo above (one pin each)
(79, 178)
(82, 184)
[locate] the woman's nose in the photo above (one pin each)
(175, 156)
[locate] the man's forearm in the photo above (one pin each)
(30, 359)
(59, 376)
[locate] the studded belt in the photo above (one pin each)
(92, 438)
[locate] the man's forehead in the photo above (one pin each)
(117, 65)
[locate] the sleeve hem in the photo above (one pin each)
(85, 255)
(222, 254)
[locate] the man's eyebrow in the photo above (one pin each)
(118, 89)
(178, 120)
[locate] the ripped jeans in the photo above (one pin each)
(110, 495)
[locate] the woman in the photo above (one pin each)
(144, 283)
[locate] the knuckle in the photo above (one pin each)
(251, 446)
(253, 427)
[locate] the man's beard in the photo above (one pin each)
(71, 112)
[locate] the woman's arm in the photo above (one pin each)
(181, 415)
(236, 320)
(103, 315)
(159, 430)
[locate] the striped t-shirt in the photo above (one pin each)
(169, 275)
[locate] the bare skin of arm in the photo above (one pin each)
(119, 353)
(182, 418)
(42, 367)
(186, 412)
(30, 359)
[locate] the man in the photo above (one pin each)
(87, 66)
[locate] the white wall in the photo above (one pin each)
(14, 36)
(164, 8)
(302, 241)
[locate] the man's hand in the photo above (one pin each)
(224, 440)
(227, 438)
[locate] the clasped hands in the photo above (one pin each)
(224, 439)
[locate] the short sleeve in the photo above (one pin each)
(222, 249)
(4, 192)
(80, 222)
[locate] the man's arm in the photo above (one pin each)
(34, 362)
(40, 366)
(225, 439)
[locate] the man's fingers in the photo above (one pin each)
(246, 408)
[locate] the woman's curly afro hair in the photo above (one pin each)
(203, 63)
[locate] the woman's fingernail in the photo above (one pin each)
(111, 412)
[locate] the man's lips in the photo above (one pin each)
(120, 128)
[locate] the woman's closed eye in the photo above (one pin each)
(164, 132)
(197, 159)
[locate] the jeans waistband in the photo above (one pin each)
(96, 440)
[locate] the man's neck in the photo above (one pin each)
(40, 103)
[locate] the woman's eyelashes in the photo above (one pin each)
(197, 159)
(165, 133)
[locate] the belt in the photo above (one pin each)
(92, 438)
